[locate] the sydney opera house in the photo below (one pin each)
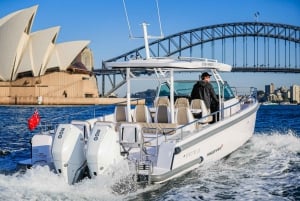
(34, 69)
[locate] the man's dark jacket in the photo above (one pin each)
(205, 91)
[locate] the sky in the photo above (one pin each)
(103, 22)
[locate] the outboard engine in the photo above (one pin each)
(69, 152)
(103, 149)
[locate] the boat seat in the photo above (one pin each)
(120, 114)
(183, 116)
(181, 102)
(195, 104)
(162, 114)
(130, 136)
(141, 113)
(196, 108)
(205, 113)
(162, 100)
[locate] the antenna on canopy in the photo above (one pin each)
(158, 15)
(144, 25)
(127, 19)
(129, 26)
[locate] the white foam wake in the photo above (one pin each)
(40, 183)
(266, 168)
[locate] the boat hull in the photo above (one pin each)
(210, 144)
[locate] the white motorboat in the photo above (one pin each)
(174, 136)
(173, 141)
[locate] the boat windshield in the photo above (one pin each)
(183, 88)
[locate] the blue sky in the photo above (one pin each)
(104, 23)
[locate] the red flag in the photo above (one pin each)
(34, 120)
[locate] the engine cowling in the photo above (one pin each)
(68, 152)
(103, 150)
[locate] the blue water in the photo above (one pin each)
(266, 168)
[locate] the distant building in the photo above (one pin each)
(282, 94)
(269, 89)
(33, 66)
(295, 94)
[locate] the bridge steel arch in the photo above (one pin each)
(247, 46)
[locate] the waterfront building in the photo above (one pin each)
(295, 93)
(36, 69)
(282, 94)
(269, 89)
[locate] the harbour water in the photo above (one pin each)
(265, 168)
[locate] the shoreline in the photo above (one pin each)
(52, 101)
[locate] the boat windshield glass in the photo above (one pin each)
(184, 89)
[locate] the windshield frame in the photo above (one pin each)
(183, 88)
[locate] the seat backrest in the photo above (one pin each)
(163, 100)
(183, 115)
(162, 114)
(131, 135)
(195, 104)
(141, 113)
(205, 112)
(120, 113)
(181, 102)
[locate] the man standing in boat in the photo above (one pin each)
(204, 90)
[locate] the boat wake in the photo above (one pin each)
(40, 183)
(246, 174)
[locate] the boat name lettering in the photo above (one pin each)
(191, 153)
(61, 132)
(207, 64)
(215, 150)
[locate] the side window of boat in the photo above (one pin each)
(228, 93)
(215, 86)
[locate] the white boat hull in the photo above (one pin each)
(210, 144)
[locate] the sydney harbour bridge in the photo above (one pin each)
(247, 46)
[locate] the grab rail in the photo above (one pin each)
(252, 99)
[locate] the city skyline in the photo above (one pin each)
(281, 94)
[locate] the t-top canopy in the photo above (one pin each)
(171, 63)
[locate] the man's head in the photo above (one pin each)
(205, 76)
